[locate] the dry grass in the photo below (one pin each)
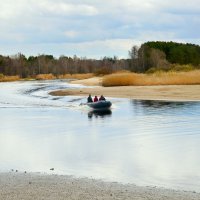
(76, 76)
(45, 77)
(164, 78)
(9, 78)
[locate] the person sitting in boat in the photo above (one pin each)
(89, 99)
(102, 98)
(96, 99)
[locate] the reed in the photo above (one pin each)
(76, 76)
(45, 77)
(8, 78)
(160, 78)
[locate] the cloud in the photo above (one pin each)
(71, 34)
(91, 49)
(45, 22)
(12, 9)
(66, 9)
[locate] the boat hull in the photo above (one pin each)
(100, 105)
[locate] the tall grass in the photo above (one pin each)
(76, 76)
(8, 78)
(160, 78)
(45, 77)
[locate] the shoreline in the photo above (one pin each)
(161, 92)
(43, 186)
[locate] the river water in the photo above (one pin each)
(150, 143)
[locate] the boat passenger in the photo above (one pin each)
(89, 99)
(102, 98)
(96, 99)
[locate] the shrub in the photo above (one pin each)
(173, 67)
(45, 77)
(1, 76)
(76, 76)
(103, 71)
(9, 78)
(186, 68)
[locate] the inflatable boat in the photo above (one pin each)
(100, 105)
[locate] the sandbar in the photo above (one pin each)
(160, 92)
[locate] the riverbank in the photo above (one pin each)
(161, 92)
(39, 186)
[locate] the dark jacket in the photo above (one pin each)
(102, 98)
(89, 99)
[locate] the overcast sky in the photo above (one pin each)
(94, 28)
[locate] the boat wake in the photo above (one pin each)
(36, 94)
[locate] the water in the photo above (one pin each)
(153, 143)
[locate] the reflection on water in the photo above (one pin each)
(161, 107)
(99, 113)
(141, 142)
(161, 104)
(158, 104)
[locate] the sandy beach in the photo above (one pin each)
(31, 186)
(162, 92)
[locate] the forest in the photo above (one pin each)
(47, 64)
(153, 56)
(149, 57)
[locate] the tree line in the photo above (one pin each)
(159, 55)
(45, 64)
(164, 55)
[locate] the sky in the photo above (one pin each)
(94, 28)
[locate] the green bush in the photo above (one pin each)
(172, 67)
(1, 76)
(185, 68)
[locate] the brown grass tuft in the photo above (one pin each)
(8, 78)
(45, 77)
(76, 76)
(161, 78)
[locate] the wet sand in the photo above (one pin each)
(15, 186)
(162, 92)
